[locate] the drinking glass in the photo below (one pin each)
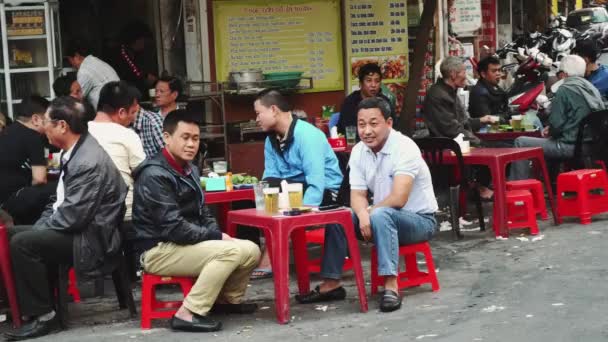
(258, 189)
(271, 200)
(351, 135)
(296, 193)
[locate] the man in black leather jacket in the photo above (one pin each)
(80, 225)
(177, 235)
(487, 98)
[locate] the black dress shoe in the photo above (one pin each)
(199, 324)
(316, 296)
(32, 329)
(241, 308)
(390, 301)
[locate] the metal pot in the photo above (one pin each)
(246, 79)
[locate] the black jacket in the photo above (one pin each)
(487, 99)
(92, 210)
(169, 207)
(348, 111)
(445, 116)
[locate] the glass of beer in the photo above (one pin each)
(271, 200)
(296, 193)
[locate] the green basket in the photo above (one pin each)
(283, 79)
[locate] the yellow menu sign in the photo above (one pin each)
(278, 36)
(376, 32)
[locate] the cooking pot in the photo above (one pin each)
(246, 79)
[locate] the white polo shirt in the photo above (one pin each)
(399, 156)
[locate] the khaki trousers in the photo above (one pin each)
(223, 268)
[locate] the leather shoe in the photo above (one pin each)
(240, 308)
(199, 324)
(316, 296)
(32, 329)
(390, 301)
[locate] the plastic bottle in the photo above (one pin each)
(229, 186)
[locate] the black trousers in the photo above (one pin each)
(26, 205)
(36, 256)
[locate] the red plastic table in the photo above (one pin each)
(6, 272)
(501, 136)
(278, 229)
(496, 159)
(223, 199)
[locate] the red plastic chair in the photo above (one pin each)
(412, 275)
(538, 193)
(151, 308)
(582, 193)
(520, 211)
(73, 286)
(317, 236)
(6, 270)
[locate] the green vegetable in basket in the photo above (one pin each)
(238, 179)
(254, 180)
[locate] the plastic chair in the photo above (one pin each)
(536, 188)
(520, 211)
(151, 308)
(6, 270)
(433, 150)
(317, 236)
(591, 141)
(72, 286)
(582, 193)
(412, 275)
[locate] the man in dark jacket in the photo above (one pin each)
(487, 97)
(443, 112)
(79, 226)
(177, 236)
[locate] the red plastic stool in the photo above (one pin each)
(412, 276)
(151, 308)
(317, 236)
(520, 211)
(73, 286)
(582, 193)
(538, 193)
(6, 272)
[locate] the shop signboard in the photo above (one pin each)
(465, 17)
(280, 36)
(376, 32)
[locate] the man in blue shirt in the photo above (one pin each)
(595, 73)
(295, 151)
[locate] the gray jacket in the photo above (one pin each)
(92, 210)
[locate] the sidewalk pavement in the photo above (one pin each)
(551, 288)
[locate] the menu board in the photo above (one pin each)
(488, 30)
(465, 16)
(376, 32)
(280, 36)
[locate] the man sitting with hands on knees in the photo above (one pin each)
(389, 165)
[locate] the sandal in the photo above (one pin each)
(390, 301)
(261, 273)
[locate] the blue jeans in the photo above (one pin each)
(390, 229)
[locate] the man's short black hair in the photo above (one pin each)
(71, 111)
(177, 116)
(116, 95)
(77, 46)
(376, 102)
(273, 97)
(133, 31)
(587, 49)
(33, 104)
(485, 63)
(174, 84)
(369, 69)
(62, 85)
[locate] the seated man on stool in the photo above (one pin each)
(177, 236)
(79, 226)
(389, 165)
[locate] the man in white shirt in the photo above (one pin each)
(118, 106)
(388, 165)
(93, 73)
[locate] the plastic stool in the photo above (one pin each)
(317, 236)
(582, 193)
(412, 276)
(73, 286)
(538, 193)
(6, 272)
(151, 308)
(520, 211)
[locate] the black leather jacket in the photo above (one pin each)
(169, 207)
(92, 210)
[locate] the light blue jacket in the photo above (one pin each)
(307, 158)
